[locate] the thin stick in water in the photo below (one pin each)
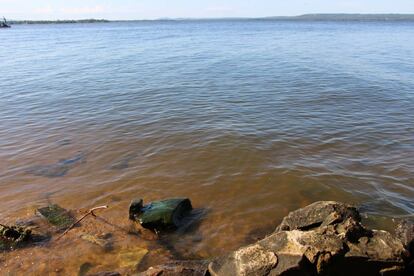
(90, 212)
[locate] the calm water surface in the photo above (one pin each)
(249, 119)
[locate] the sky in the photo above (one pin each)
(153, 9)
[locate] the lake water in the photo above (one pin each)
(249, 119)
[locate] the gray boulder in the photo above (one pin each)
(250, 260)
(405, 232)
(317, 214)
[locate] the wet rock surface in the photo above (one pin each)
(324, 238)
(405, 232)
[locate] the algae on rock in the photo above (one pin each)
(57, 216)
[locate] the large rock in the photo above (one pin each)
(317, 214)
(250, 260)
(405, 232)
(379, 253)
(324, 238)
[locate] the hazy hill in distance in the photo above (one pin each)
(345, 17)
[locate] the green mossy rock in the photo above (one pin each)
(57, 216)
(161, 214)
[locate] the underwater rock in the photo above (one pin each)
(13, 236)
(57, 216)
(163, 214)
(84, 268)
(131, 257)
(58, 169)
(105, 273)
(104, 242)
(178, 268)
(51, 171)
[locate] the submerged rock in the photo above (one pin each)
(131, 257)
(13, 236)
(51, 171)
(84, 268)
(163, 214)
(58, 169)
(57, 216)
(324, 238)
(178, 268)
(105, 273)
(105, 241)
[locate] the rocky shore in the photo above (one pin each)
(324, 238)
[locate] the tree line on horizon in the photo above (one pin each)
(304, 17)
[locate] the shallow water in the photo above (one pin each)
(249, 119)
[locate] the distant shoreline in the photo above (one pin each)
(28, 22)
(304, 17)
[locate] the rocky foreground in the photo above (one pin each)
(324, 238)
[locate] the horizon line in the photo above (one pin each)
(221, 18)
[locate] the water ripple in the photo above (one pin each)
(250, 120)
